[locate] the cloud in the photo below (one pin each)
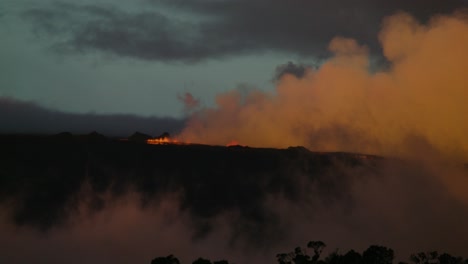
(343, 106)
(145, 35)
(191, 31)
(296, 70)
(414, 110)
(190, 102)
(26, 117)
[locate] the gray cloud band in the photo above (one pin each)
(192, 31)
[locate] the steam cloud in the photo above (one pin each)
(190, 102)
(342, 106)
(414, 110)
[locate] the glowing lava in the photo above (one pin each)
(232, 143)
(165, 141)
(170, 141)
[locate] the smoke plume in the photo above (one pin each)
(190, 102)
(343, 106)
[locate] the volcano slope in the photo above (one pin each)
(45, 175)
(244, 202)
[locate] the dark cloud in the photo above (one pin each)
(146, 35)
(297, 70)
(26, 117)
(228, 27)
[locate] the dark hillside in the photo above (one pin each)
(44, 175)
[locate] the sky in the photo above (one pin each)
(140, 57)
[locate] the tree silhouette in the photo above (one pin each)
(300, 257)
(334, 258)
(425, 258)
(201, 261)
(351, 257)
(377, 255)
(166, 260)
(284, 258)
(449, 259)
(373, 255)
(318, 247)
(221, 262)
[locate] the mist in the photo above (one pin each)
(136, 202)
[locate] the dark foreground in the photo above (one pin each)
(46, 174)
(268, 199)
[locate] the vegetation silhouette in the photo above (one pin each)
(165, 260)
(173, 260)
(201, 261)
(299, 256)
(374, 254)
(435, 257)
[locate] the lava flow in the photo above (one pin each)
(165, 141)
(232, 143)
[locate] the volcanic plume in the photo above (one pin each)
(344, 105)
